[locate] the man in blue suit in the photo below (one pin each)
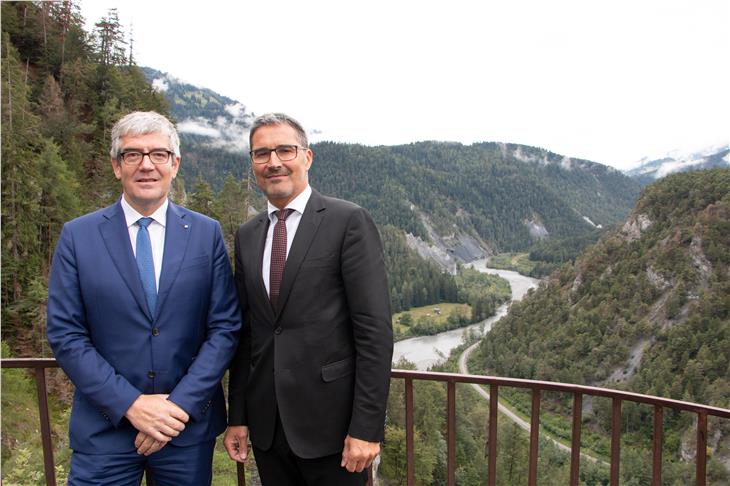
(143, 317)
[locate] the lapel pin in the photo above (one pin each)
(186, 226)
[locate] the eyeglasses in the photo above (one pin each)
(283, 152)
(134, 157)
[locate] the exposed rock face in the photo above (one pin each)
(657, 280)
(623, 374)
(635, 226)
(431, 252)
(448, 250)
(700, 261)
(537, 229)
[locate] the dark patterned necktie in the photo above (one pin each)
(278, 254)
(145, 264)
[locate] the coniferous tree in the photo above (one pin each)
(109, 40)
(231, 207)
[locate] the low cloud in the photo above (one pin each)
(160, 85)
(237, 110)
(222, 133)
(198, 126)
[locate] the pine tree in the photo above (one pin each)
(109, 40)
(231, 208)
(20, 188)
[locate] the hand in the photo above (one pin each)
(146, 445)
(358, 454)
(236, 442)
(157, 417)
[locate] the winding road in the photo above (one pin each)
(464, 369)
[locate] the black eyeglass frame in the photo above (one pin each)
(276, 149)
(123, 155)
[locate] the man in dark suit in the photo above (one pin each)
(143, 318)
(310, 378)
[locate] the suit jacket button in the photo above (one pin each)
(277, 330)
(155, 332)
(150, 374)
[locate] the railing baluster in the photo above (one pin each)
(656, 468)
(493, 407)
(615, 441)
(451, 434)
(48, 463)
(410, 463)
(701, 457)
(575, 439)
(241, 473)
(534, 435)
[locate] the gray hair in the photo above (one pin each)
(269, 119)
(142, 123)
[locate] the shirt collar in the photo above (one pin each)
(297, 204)
(131, 215)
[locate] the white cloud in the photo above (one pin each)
(198, 127)
(160, 85)
(229, 136)
(236, 110)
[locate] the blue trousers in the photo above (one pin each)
(170, 466)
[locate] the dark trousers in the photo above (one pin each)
(170, 466)
(278, 466)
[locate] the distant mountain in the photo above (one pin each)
(213, 129)
(460, 202)
(648, 170)
(645, 309)
(455, 202)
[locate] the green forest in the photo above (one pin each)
(658, 296)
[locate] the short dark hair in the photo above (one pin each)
(269, 119)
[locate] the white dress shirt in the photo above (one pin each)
(292, 223)
(156, 230)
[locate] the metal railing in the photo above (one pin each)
(39, 365)
(537, 387)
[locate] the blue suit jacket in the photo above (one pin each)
(113, 349)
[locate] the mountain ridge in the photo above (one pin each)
(647, 309)
(648, 170)
(456, 202)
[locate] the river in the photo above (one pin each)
(425, 351)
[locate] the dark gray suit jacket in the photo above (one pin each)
(323, 356)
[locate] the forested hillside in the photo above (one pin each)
(507, 196)
(645, 309)
(62, 90)
(504, 197)
(213, 130)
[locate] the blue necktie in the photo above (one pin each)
(145, 264)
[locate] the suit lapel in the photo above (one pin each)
(312, 217)
(115, 234)
(177, 235)
(257, 263)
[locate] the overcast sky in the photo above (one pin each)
(609, 81)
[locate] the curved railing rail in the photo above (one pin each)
(578, 391)
(39, 365)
